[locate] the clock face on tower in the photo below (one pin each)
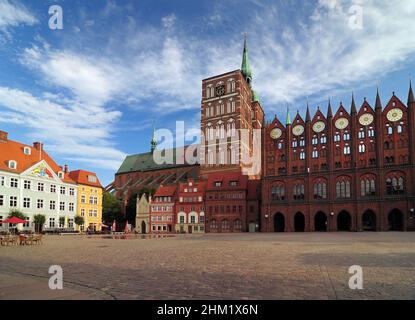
(319, 126)
(366, 119)
(298, 130)
(220, 90)
(276, 133)
(395, 115)
(342, 123)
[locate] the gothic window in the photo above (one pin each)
(323, 140)
(362, 148)
(231, 86)
(298, 191)
(346, 136)
(232, 155)
(361, 134)
(390, 130)
(278, 192)
(220, 130)
(210, 132)
(399, 129)
(320, 189)
(368, 186)
(208, 92)
(279, 146)
(314, 141)
(346, 150)
(302, 143)
(314, 154)
(343, 188)
(225, 225)
(336, 138)
(302, 155)
(395, 184)
(371, 133)
(230, 127)
(295, 144)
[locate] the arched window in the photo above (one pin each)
(343, 188)
(298, 191)
(336, 138)
(371, 133)
(390, 130)
(230, 128)
(346, 136)
(231, 86)
(279, 146)
(225, 225)
(395, 184)
(346, 149)
(222, 158)
(220, 130)
(210, 132)
(314, 141)
(278, 192)
(237, 225)
(320, 189)
(314, 154)
(399, 129)
(209, 92)
(367, 186)
(213, 224)
(323, 140)
(362, 148)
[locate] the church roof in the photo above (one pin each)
(145, 162)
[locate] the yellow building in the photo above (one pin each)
(89, 199)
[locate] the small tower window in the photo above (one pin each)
(60, 175)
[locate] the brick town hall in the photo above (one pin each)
(352, 169)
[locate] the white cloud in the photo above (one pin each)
(169, 21)
(327, 54)
(14, 14)
(72, 131)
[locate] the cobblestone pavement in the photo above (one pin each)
(214, 266)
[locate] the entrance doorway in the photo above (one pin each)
(143, 227)
(299, 222)
(369, 221)
(395, 220)
(279, 222)
(320, 222)
(344, 221)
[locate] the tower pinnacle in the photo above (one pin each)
(246, 68)
(153, 141)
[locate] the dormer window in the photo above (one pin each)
(27, 151)
(60, 175)
(12, 164)
(92, 179)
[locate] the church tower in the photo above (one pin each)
(230, 111)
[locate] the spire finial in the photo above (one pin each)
(153, 139)
(329, 111)
(246, 68)
(378, 103)
(353, 109)
(411, 99)
(288, 120)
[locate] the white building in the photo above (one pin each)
(31, 182)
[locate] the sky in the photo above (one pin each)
(92, 91)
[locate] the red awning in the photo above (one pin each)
(14, 220)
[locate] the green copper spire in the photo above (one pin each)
(288, 121)
(246, 68)
(153, 141)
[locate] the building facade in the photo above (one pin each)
(162, 210)
(349, 169)
(142, 220)
(89, 199)
(190, 207)
(31, 182)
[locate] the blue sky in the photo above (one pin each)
(92, 91)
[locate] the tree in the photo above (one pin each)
(17, 214)
(111, 208)
(39, 220)
(79, 221)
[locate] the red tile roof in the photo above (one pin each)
(12, 150)
(165, 191)
(82, 177)
(226, 178)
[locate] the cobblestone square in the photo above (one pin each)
(213, 266)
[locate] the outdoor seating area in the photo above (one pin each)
(20, 239)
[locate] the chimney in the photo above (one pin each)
(38, 146)
(3, 136)
(66, 168)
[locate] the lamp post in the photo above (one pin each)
(331, 216)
